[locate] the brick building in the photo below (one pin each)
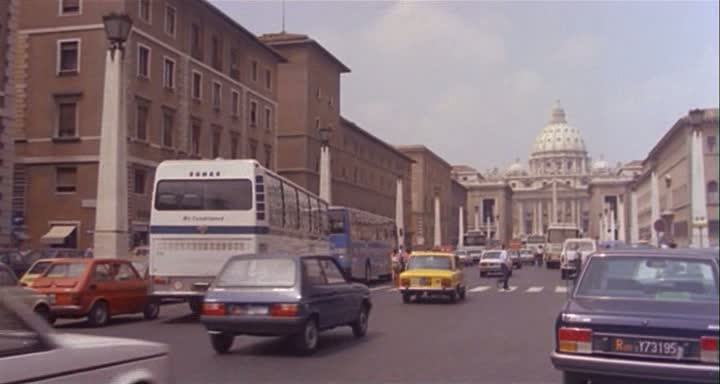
(7, 151)
(364, 168)
(197, 85)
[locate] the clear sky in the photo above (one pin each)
(475, 81)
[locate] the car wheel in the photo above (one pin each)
(360, 325)
(406, 298)
(306, 341)
(463, 292)
(152, 310)
(222, 342)
(454, 296)
(44, 312)
(573, 378)
(195, 306)
(99, 314)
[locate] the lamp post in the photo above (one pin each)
(325, 175)
(111, 216)
(668, 214)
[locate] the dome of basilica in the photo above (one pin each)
(558, 135)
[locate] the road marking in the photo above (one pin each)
(560, 289)
(510, 289)
(379, 287)
(480, 288)
(392, 290)
(534, 289)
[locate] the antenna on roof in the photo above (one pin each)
(283, 16)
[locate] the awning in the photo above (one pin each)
(57, 234)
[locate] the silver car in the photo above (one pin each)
(491, 262)
(33, 353)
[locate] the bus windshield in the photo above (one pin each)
(535, 239)
(474, 240)
(204, 195)
(559, 235)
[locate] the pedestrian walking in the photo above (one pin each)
(505, 269)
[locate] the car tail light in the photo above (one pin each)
(213, 309)
(574, 340)
(284, 310)
(709, 349)
(446, 283)
(405, 282)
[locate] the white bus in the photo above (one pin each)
(205, 211)
(475, 242)
(555, 238)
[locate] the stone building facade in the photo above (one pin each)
(8, 26)
(196, 85)
(364, 169)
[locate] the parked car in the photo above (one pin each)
(573, 254)
(95, 288)
(433, 274)
(35, 270)
(515, 259)
(491, 262)
(283, 295)
(641, 314)
(527, 256)
(33, 352)
(464, 257)
(39, 303)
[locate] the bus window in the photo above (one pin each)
(337, 222)
(274, 201)
(204, 195)
(291, 206)
(305, 212)
(316, 215)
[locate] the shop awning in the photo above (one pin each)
(57, 234)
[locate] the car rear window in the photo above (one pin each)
(66, 270)
(491, 255)
(268, 272)
(38, 268)
(429, 262)
(653, 277)
(582, 246)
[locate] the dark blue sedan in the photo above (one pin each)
(639, 315)
(283, 295)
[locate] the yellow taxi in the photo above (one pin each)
(432, 274)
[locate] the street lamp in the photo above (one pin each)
(324, 136)
(111, 213)
(325, 176)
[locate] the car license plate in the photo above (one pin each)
(648, 347)
(249, 310)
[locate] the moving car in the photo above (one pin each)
(32, 352)
(39, 303)
(641, 314)
(574, 253)
(96, 288)
(464, 257)
(492, 261)
(515, 259)
(527, 256)
(283, 295)
(433, 274)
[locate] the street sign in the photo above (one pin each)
(659, 225)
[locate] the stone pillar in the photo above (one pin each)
(698, 203)
(400, 213)
(523, 223)
(621, 217)
(438, 230)
(540, 218)
(477, 218)
(520, 219)
(601, 228)
(111, 212)
(654, 207)
(325, 174)
(461, 225)
(634, 222)
(613, 225)
(534, 218)
(553, 216)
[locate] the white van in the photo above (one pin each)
(572, 250)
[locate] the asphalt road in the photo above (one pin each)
(492, 337)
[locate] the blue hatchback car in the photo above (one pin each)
(283, 295)
(641, 315)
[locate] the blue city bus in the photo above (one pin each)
(362, 242)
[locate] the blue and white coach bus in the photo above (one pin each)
(362, 242)
(205, 211)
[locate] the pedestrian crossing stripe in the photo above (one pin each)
(534, 289)
(510, 289)
(559, 289)
(480, 288)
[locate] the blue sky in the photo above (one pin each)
(475, 81)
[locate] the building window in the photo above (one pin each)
(253, 113)
(65, 179)
(317, 124)
(143, 61)
(712, 192)
(235, 64)
(331, 102)
(70, 7)
(254, 70)
(197, 85)
(217, 54)
(140, 176)
(144, 10)
(252, 149)
(235, 103)
(170, 20)
(68, 60)
(67, 112)
(268, 156)
(169, 73)
(712, 146)
(216, 140)
(318, 93)
(195, 132)
(141, 120)
(268, 119)
(168, 128)
(234, 145)
(216, 95)
(196, 41)
(268, 79)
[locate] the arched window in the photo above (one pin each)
(712, 192)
